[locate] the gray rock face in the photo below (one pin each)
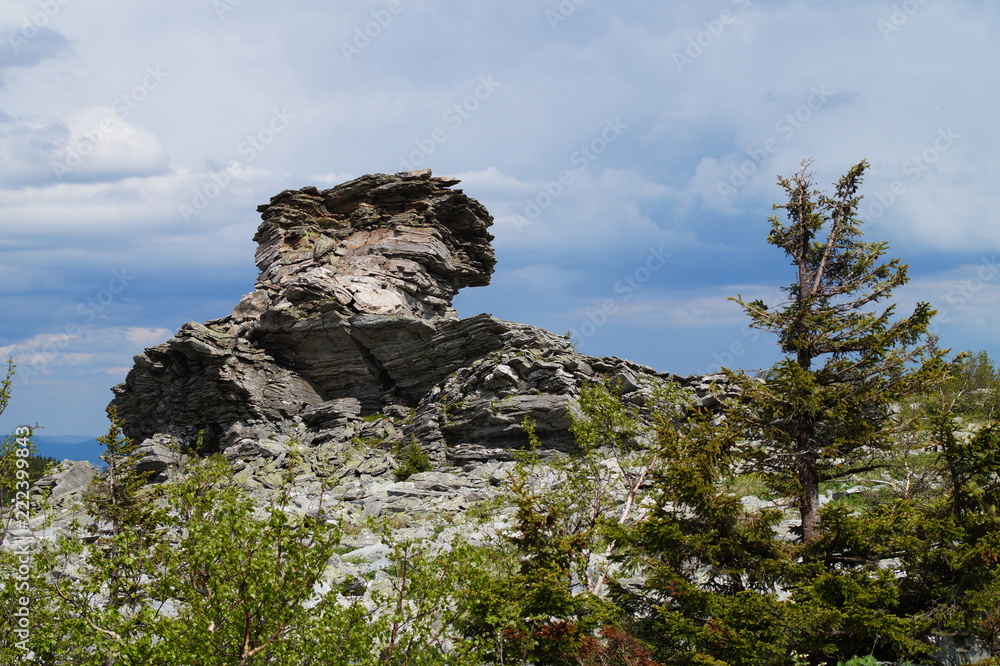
(351, 317)
(955, 650)
(69, 478)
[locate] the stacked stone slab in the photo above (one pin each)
(352, 316)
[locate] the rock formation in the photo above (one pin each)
(351, 321)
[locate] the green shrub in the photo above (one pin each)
(866, 660)
(412, 459)
(972, 390)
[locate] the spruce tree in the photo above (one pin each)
(825, 411)
(115, 495)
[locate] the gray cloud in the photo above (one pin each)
(18, 49)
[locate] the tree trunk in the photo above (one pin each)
(808, 497)
(808, 475)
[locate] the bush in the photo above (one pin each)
(412, 460)
(973, 389)
(867, 660)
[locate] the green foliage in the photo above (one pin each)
(196, 571)
(204, 575)
(426, 604)
(242, 597)
(825, 411)
(866, 660)
(412, 460)
(721, 585)
(711, 566)
(878, 576)
(956, 568)
(116, 495)
(205, 581)
(5, 385)
(526, 611)
(18, 463)
(234, 582)
(543, 603)
(34, 465)
(17, 575)
(972, 389)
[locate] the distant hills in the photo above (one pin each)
(70, 447)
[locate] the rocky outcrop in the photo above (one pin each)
(68, 479)
(351, 318)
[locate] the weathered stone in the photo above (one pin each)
(956, 650)
(70, 477)
(351, 317)
(254, 448)
(367, 553)
(158, 457)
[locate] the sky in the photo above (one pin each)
(628, 152)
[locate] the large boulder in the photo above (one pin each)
(351, 317)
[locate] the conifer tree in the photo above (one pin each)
(825, 411)
(114, 496)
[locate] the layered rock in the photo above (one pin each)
(351, 317)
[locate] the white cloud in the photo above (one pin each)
(536, 278)
(331, 178)
(43, 357)
(966, 298)
(147, 337)
(492, 179)
(92, 144)
(28, 148)
(590, 210)
(651, 307)
(37, 344)
(102, 146)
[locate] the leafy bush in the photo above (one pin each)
(972, 390)
(866, 660)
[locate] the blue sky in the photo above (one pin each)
(627, 150)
